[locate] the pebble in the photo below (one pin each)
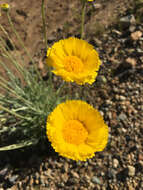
(102, 113)
(131, 61)
(3, 172)
(122, 98)
(115, 89)
(13, 179)
(94, 179)
(128, 19)
(109, 102)
(122, 117)
(139, 50)
(132, 28)
(117, 97)
(115, 163)
(131, 170)
(102, 79)
(110, 115)
(136, 35)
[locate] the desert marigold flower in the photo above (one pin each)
(74, 60)
(5, 7)
(76, 130)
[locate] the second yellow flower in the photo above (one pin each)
(75, 60)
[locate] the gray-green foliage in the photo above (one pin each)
(25, 101)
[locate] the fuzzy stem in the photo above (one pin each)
(82, 18)
(44, 24)
(5, 32)
(21, 42)
(18, 37)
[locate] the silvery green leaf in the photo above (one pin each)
(20, 145)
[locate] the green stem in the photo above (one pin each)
(82, 18)
(44, 24)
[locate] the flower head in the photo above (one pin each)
(4, 7)
(76, 130)
(74, 60)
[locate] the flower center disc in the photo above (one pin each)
(74, 132)
(73, 64)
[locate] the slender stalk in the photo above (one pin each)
(22, 44)
(44, 23)
(27, 76)
(10, 57)
(83, 18)
(19, 68)
(5, 32)
(18, 37)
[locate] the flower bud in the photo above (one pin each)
(4, 7)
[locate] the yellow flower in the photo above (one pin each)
(5, 7)
(90, 0)
(76, 130)
(74, 60)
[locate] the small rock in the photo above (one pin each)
(139, 50)
(102, 113)
(3, 172)
(110, 115)
(109, 102)
(115, 89)
(116, 32)
(97, 41)
(117, 97)
(13, 179)
(132, 28)
(102, 79)
(122, 98)
(136, 35)
(75, 174)
(128, 19)
(94, 179)
(131, 61)
(140, 156)
(131, 170)
(122, 117)
(115, 163)
(124, 130)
